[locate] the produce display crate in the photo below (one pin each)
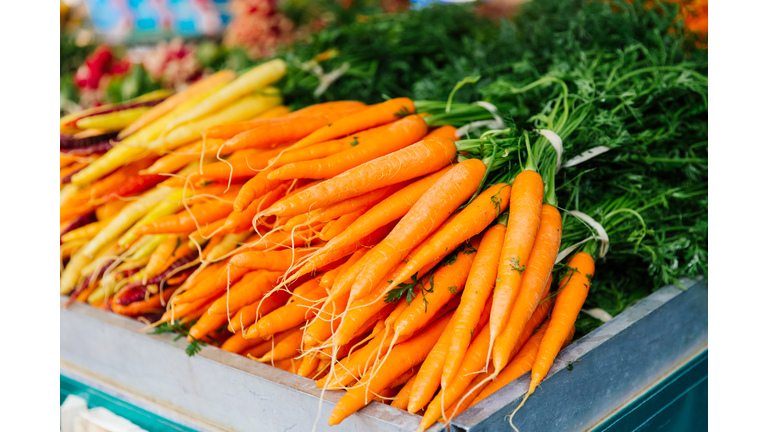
(594, 378)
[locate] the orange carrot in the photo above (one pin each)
(403, 357)
(428, 376)
(533, 285)
(258, 350)
(473, 362)
(469, 222)
(290, 315)
(429, 212)
(413, 161)
(182, 156)
(480, 283)
(308, 365)
(248, 290)
(242, 220)
(237, 343)
(387, 211)
(445, 283)
(205, 325)
(273, 260)
(315, 151)
(251, 313)
(198, 215)
(286, 348)
(334, 228)
(226, 131)
(396, 136)
(403, 396)
(447, 131)
(153, 303)
(281, 131)
(570, 298)
(482, 380)
(526, 199)
(214, 283)
(375, 115)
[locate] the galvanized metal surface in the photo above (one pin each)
(223, 391)
(611, 366)
(216, 388)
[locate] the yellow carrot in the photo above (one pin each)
(128, 215)
(255, 79)
(242, 109)
(172, 102)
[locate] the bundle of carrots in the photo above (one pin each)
(359, 246)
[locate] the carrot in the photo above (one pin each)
(132, 147)
(334, 228)
(85, 232)
(327, 320)
(526, 199)
(247, 107)
(480, 283)
(244, 163)
(207, 323)
(403, 396)
(187, 220)
(473, 362)
(182, 156)
(358, 362)
(243, 220)
(256, 78)
(482, 380)
(153, 303)
(407, 375)
(403, 357)
(361, 310)
(237, 343)
(290, 315)
(469, 222)
(445, 283)
(280, 131)
(533, 285)
(428, 376)
(413, 161)
(375, 115)
(227, 131)
(570, 298)
(315, 151)
(173, 101)
(161, 255)
(113, 121)
(447, 131)
(395, 136)
(387, 211)
(129, 215)
(308, 365)
(286, 348)
(273, 260)
(103, 187)
(212, 284)
(251, 313)
(251, 288)
(333, 108)
(429, 212)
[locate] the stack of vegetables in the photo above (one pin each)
(373, 248)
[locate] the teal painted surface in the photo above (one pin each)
(679, 403)
(95, 398)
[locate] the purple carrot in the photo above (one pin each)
(67, 142)
(135, 291)
(101, 147)
(68, 178)
(86, 283)
(117, 108)
(77, 223)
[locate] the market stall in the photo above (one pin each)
(372, 223)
